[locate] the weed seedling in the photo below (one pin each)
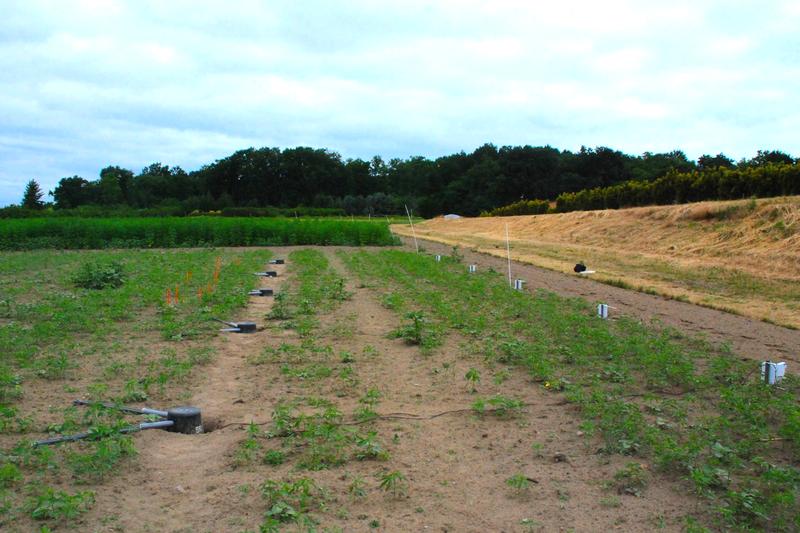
(473, 377)
(393, 483)
(520, 484)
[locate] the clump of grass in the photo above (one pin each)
(96, 275)
(419, 332)
(290, 502)
(499, 405)
(632, 479)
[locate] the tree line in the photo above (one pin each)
(252, 180)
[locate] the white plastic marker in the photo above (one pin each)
(519, 284)
(772, 373)
(602, 310)
(508, 249)
(414, 233)
(472, 269)
(438, 258)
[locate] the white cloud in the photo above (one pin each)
(88, 83)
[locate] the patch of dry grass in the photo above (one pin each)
(742, 256)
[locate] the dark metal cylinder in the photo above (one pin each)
(246, 327)
(187, 420)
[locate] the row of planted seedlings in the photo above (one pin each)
(697, 413)
(310, 432)
(95, 329)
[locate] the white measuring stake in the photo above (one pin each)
(508, 249)
(602, 310)
(414, 233)
(772, 373)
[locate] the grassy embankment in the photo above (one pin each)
(738, 256)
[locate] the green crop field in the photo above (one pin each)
(381, 390)
(171, 232)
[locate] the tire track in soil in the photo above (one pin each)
(185, 482)
(751, 339)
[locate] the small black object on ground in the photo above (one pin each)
(260, 292)
(185, 419)
(276, 261)
(237, 327)
(580, 267)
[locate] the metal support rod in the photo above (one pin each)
(129, 429)
(133, 410)
(414, 233)
(231, 324)
(508, 250)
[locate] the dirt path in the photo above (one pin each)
(456, 465)
(186, 483)
(749, 338)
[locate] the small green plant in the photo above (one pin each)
(274, 457)
(9, 475)
(290, 501)
(357, 487)
(368, 447)
(473, 377)
(50, 504)
(538, 450)
(520, 484)
(501, 376)
(419, 332)
(393, 483)
(501, 406)
(632, 479)
(100, 275)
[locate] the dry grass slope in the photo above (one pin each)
(742, 256)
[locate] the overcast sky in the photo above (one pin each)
(86, 84)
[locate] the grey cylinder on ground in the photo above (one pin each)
(187, 420)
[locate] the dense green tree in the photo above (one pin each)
(72, 192)
(707, 162)
(465, 183)
(32, 198)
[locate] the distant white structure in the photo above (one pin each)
(452, 216)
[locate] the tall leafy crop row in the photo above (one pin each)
(96, 233)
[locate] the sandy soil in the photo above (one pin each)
(456, 465)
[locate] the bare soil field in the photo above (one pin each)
(455, 465)
(742, 256)
(338, 414)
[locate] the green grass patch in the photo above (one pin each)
(170, 232)
(694, 411)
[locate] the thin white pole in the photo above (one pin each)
(414, 233)
(508, 249)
